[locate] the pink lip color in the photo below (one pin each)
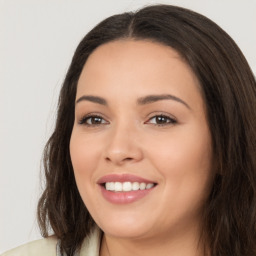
(123, 197)
(122, 178)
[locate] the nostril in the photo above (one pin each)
(128, 158)
(108, 159)
(123, 155)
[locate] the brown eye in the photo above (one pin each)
(161, 120)
(92, 120)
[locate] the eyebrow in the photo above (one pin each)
(141, 101)
(153, 98)
(94, 99)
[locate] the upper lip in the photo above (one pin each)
(123, 178)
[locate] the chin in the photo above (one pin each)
(125, 227)
(125, 233)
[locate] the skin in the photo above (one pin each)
(176, 154)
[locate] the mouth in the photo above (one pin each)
(125, 188)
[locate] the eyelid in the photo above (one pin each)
(163, 114)
(83, 118)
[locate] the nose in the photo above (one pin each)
(123, 146)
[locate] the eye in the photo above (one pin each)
(161, 120)
(93, 120)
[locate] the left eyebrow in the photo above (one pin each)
(153, 98)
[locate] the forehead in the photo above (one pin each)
(137, 67)
(134, 46)
(129, 51)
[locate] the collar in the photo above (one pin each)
(91, 244)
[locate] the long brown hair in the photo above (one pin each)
(229, 91)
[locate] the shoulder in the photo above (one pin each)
(42, 247)
(48, 246)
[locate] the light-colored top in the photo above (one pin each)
(49, 247)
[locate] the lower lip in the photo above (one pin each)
(124, 197)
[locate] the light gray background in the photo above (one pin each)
(37, 41)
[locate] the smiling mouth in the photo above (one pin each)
(127, 186)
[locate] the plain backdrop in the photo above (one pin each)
(37, 41)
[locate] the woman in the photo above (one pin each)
(154, 146)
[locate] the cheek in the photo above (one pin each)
(184, 161)
(82, 152)
(188, 145)
(84, 158)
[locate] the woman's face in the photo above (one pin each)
(140, 122)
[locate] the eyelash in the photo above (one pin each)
(168, 120)
(84, 120)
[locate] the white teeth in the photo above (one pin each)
(127, 186)
(135, 186)
(149, 185)
(107, 186)
(110, 186)
(118, 186)
(142, 186)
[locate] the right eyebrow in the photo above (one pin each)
(94, 99)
